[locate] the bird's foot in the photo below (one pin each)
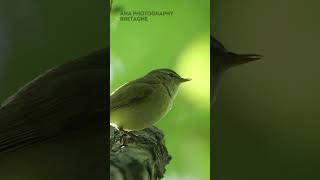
(126, 136)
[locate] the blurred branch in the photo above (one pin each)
(143, 158)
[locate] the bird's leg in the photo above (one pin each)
(125, 133)
(129, 133)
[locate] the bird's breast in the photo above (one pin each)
(144, 114)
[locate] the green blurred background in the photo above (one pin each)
(37, 35)
(180, 42)
(267, 118)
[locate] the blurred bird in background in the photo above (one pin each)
(223, 60)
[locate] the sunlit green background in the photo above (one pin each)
(267, 119)
(180, 42)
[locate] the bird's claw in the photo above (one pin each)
(126, 136)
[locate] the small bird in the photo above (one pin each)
(54, 126)
(140, 103)
(223, 60)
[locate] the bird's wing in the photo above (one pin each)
(24, 123)
(130, 94)
(42, 118)
(47, 107)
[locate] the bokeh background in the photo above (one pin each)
(37, 35)
(267, 114)
(180, 42)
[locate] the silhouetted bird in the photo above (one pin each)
(223, 60)
(55, 127)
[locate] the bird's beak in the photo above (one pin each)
(237, 59)
(182, 80)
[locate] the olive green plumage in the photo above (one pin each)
(141, 103)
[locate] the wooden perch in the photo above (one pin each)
(143, 157)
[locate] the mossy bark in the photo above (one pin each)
(140, 157)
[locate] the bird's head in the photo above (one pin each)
(224, 59)
(170, 79)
